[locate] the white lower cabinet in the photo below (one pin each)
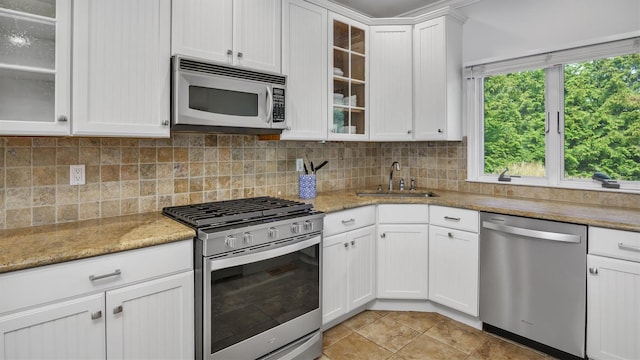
(149, 319)
(613, 295)
(348, 272)
(454, 254)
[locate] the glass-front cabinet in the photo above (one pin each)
(34, 67)
(348, 79)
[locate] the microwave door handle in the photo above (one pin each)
(270, 101)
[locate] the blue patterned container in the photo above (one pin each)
(307, 186)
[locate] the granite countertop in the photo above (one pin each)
(25, 248)
(29, 247)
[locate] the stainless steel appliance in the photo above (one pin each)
(533, 282)
(208, 96)
(258, 280)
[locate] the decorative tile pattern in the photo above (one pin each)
(388, 335)
(129, 176)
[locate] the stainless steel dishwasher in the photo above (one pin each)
(533, 282)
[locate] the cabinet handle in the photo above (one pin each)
(239, 55)
(117, 309)
(451, 218)
(346, 245)
(383, 235)
(593, 271)
(165, 123)
(353, 243)
(349, 222)
(623, 246)
(450, 235)
(117, 272)
(440, 131)
(229, 52)
(62, 118)
(408, 131)
(96, 315)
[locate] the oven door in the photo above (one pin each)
(260, 302)
(210, 100)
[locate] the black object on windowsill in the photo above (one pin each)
(503, 175)
(605, 180)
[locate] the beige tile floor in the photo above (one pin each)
(392, 335)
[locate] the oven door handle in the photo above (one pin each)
(217, 264)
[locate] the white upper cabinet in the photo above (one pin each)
(237, 32)
(437, 71)
(390, 63)
(304, 61)
(35, 67)
(121, 52)
(349, 83)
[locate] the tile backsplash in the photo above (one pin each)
(128, 176)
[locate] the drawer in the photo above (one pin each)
(345, 220)
(461, 219)
(24, 288)
(403, 214)
(618, 244)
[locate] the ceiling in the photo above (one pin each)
(385, 8)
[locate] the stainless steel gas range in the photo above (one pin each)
(257, 278)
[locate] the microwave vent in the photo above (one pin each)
(221, 70)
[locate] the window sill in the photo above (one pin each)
(568, 185)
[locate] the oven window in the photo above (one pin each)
(225, 102)
(249, 299)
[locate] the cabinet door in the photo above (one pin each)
(438, 80)
(304, 61)
(121, 71)
(403, 254)
(613, 313)
(152, 320)
(348, 79)
(391, 99)
(35, 67)
(361, 263)
(72, 329)
(334, 277)
(453, 268)
(256, 34)
(193, 24)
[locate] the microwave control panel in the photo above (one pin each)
(278, 105)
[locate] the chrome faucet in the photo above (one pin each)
(395, 165)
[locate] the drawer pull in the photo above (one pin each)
(96, 315)
(593, 271)
(117, 309)
(349, 222)
(451, 218)
(628, 247)
(117, 272)
(450, 235)
(383, 235)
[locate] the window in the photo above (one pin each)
(557, 119)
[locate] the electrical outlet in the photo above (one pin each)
(299, 165)
(76, 174)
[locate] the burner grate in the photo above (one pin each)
(221, 212)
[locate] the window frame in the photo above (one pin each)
(552, 62)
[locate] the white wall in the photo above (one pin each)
(499, 29)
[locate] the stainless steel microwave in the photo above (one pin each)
(208, 96)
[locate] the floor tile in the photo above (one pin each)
(496, 349)
(425, 347)
(458, 335)
(335, 334)
(388, 333)
(419, 321)
(356, 347)
(363, 319)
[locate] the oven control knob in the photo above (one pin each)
(230, 241)
(296, 228)
(273, 233)
(308, 225)
(247, 238)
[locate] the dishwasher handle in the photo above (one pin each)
(537, 234)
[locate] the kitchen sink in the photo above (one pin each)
(398, 193)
